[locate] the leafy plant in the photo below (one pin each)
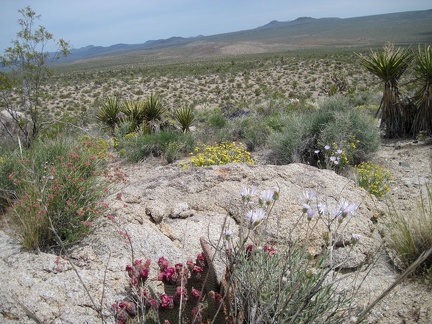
(216, 119)
(331, 157)
(135, 113)
(335, 123)
(294, 142)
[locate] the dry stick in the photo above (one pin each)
(104, 280)
(97, 309)
(28, 312)
(398, 280)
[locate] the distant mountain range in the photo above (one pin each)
(403, 28)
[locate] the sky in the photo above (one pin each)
(109, 22)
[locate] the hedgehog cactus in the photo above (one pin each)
(191, 292)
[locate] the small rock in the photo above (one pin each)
(156, 211)
(181, 210)
(132, 199)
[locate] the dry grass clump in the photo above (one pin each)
(408, 236)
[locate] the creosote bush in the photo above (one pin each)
(58, 185)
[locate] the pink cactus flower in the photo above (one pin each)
(163, 263)
(166, 301)
(196, 293)
(196, 315)
(200, 260)
(269, 250)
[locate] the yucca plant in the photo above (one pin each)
(153, 110)
(134, 111)
(108, 113)
(185, 117)
(423, 96)
(389, 65)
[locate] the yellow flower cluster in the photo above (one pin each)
(374, 178)
(221, 153)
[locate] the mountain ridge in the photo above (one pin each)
(410, 27)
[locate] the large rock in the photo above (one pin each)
(8, 126)
(164, 211)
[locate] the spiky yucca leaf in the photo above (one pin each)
(185, 117)
(108, 112)
(134, 110)
(153, 108)
(423, 95)
(389, 65)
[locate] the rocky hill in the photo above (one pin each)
(165, 209)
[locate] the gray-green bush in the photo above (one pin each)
(335, 123)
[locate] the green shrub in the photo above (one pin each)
(251, 130)
(345, 125)
(294, 143)
(374, 178)
(60, 182)
(216, 120)
(169, 144)
(335, 123)
(7, 165)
